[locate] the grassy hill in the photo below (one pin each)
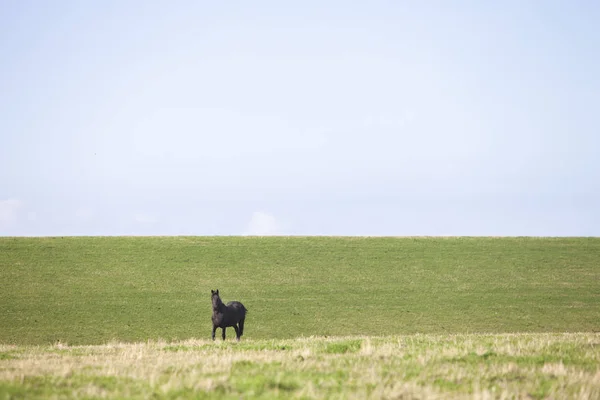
(90, 290)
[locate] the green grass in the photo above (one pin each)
(90, 290)
(535, 366)
(329, 317)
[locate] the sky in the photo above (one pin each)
(383, 118)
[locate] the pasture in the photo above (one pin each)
(533, 366)
(328, 316)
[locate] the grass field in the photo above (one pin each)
(379, 317)
(533, 366)
(93, 290)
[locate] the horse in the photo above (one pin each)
(232, 314)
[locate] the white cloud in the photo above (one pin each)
(263, 224)
(143, 218)
(9, 210)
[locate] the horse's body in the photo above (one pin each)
(232, 314)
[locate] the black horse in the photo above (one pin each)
(232, 314)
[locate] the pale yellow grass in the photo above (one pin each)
(416, 366)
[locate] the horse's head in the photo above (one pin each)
(215, 298)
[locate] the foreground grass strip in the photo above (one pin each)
(413, 366)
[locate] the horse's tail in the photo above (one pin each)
(241, 324)
(244, 312)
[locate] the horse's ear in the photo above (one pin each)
(217, 292)
(212, 291)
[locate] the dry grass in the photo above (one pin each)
(412, 366)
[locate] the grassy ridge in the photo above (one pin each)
(532, 366)
(88, 290)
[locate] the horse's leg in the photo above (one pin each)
(214, 330)
(237, 332)
(242, 326)
(224, 332)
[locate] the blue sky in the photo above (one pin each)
(313, 118)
